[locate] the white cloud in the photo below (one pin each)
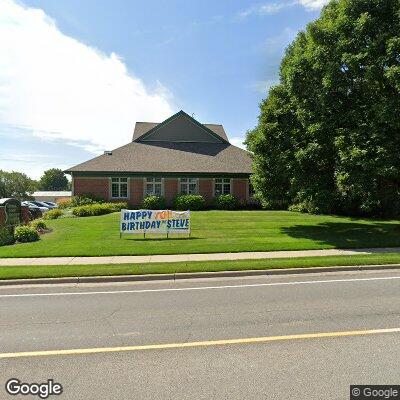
(274, 7)
(313, 4)
(60, 88)
(264, 9)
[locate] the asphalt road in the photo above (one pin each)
(91, 318)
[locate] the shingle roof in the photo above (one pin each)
(180, 144)
(166, 157)
(142, 127)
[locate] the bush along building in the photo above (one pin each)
(177, 156)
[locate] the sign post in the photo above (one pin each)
(154, 221)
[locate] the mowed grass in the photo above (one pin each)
(212, 231)
(57, 271)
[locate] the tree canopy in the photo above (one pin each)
(328, 137)
(15, 185)
(53, 179)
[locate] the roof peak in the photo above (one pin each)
(181, 131)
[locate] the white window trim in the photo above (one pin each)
(145, 185)
(197, 184)
(213, 187)
(127, 188)
(230, 185)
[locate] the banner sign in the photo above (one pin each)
(155, 221)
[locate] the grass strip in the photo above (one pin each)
(52, 271)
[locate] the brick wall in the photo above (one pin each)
(136, 190)
(25, 214)
(206, 189)
(97, 187)
(171, 189)
(239, 190)
(100, 187)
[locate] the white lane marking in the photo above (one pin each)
(201, 287)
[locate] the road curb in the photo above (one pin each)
(194, 275)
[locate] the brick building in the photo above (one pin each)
(177, 156)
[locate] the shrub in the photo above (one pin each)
(6, 235)
(189, 202)
(39, 224)
(154, 203)
(26, 233)
(82, 211)
(62, 204)
(77, 201)
(118, 206)
(91, 210)
(225, 202)
(52, 214)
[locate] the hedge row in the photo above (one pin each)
(86, 206)
(190, 202)
(91, 210)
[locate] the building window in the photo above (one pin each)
(153, 186)
(188, 186)
(119, 188)
(222, 186)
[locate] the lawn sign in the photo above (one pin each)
(154, 221)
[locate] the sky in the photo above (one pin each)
(75, 75)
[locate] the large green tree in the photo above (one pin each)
(15, 185)
(53, 179)
(328, 137)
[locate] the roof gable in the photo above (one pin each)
(182, 128)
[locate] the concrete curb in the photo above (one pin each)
(195, 275)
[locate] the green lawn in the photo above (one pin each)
(52, 271)
(212, 231)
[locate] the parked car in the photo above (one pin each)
(34, 210)
(50, 204)
(43, 206)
